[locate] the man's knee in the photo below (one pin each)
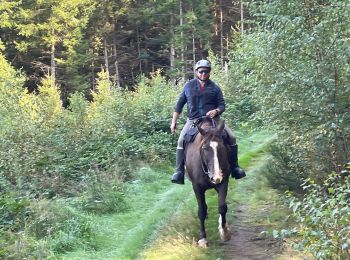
(231, 136)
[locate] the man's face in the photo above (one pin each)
(203, 73)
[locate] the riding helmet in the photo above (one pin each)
(202, 63)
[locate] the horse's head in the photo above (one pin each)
(213, 151)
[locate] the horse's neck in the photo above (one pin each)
(198, 140)
(206, 124)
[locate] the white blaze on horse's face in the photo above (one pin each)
(217, 177)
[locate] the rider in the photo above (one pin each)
(203, 98)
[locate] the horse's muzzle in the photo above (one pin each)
(217, 178)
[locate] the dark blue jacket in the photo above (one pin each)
(200, 102)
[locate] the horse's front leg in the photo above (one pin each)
(202, 215)
(224, 230)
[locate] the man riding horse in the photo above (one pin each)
(203, 98)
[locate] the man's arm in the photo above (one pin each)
(176, 115)
(178, 109)
(221, 102)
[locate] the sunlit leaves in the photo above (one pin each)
(293, 66)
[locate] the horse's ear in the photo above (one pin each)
(221, 125)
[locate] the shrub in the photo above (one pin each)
(61, 225)
(13, 211)
(324, 217)
(42, 227)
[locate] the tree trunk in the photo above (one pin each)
(106, 55)
(182, 42)
(117, 79)
(242, 17)
(172, 47)
(215, 15)
(93, 75)
(139, 49)
(53, 65)
(221, 37)
(193, 51)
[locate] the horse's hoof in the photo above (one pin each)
(225, 233)
(203, 243)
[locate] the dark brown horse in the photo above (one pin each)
(208, 167)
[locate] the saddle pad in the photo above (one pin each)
(191, 135)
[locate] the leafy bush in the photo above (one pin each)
(324, 217)
(13, 212)
(46, 149)
(59, 224)
(282, 171)
(42, 227)
(87, 151)
(292, 69)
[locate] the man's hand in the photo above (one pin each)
(173, 127)
(213, 113)
(173, 122)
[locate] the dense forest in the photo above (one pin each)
(87, 90)
(73, 40)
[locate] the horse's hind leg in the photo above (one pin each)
(202, 215)
(224, 230)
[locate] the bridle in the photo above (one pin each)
(203, 164)
(198, 123)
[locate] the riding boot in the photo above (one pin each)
(179, 176)
(236, 171)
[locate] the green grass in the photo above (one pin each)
(123, 235)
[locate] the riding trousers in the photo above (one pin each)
(189, 123)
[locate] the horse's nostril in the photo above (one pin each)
(215, 180)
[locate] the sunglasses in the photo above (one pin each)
(203, 71)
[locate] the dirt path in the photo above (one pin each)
(246, 242)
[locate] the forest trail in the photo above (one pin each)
(246, 242)
(255, 210)
(163, 223)
(253, 206)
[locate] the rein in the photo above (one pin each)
(203, 164)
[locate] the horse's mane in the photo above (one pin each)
(210, 129)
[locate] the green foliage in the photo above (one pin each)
(13, 211)
(44, 146)
(283, 172)
(62, 226)
(104, 194)
(87, 150)
(324, 217)
(42, 227)
(292, 72)
(238, 105)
